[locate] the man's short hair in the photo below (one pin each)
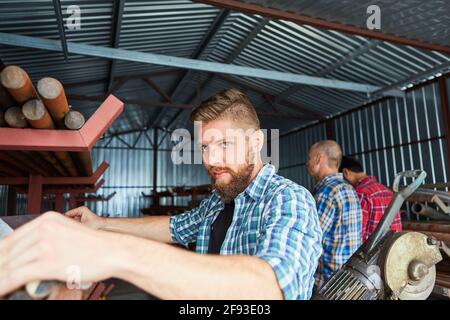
(332, 150)
(229, 104)
(351, 164)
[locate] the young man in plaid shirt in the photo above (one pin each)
(373, 196)
(337, 206)
(260, 230)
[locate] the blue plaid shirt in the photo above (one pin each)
(274, 219)
(340, 218)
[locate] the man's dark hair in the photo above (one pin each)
(351, 164)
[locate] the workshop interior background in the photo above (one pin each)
(402, 125)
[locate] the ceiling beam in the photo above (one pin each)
(157, 89)
(242, 6)
(62, 33)
(119, 6)
(184, 63)
(352, 55)
(413, 80)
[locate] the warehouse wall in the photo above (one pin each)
(390, 136)
(393, 135)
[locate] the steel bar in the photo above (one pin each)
(441, 227)
(18, 84)
(52, 93)
(183, 63)
(62, 33)
(15, 118)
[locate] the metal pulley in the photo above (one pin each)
(409, 265)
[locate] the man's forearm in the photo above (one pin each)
(154, 228)
(172, 273)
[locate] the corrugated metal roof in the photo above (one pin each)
(428, 21)
(177, 28)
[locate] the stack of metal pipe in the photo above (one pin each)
(22, 106)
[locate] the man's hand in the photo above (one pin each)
(53, 247)
(86, 217)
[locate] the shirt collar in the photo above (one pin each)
(366, 179)
(329, 178)
(256, 188)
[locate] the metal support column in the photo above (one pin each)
(155, 167)
(34, 194)
(59, 202)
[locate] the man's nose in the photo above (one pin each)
(214, 157)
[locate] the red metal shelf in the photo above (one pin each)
(82, 140)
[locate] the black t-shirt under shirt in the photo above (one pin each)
(220, 227)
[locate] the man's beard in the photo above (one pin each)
(238, 182)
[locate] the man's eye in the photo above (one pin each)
(204, 148)
(226, 144)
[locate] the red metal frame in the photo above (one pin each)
(89, 181)
(64, 140)
(81, 140)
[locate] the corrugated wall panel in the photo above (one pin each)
(294, 153)
(389, 136)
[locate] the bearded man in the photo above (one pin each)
(257, 236)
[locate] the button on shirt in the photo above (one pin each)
(374, 198)
(274, 219)
(340, 218)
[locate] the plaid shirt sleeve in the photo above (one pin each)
(184, 227)
(365, 210)
(291, 242)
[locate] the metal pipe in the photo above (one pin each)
(54, 97)
(18, 83)
(427, 226)
(74, 120)
(15, 118)
(426, 211)
(37, 115)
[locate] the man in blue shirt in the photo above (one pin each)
(338, 208)
(261, 230)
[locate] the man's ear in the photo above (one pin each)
(257, 140)
(346, 173)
